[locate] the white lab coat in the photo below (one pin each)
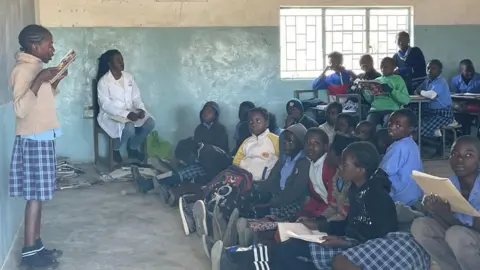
(116, 101)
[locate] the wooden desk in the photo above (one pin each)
(419, 100)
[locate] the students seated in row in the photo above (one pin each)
(365, 131)
(273, 125)
(438, 112)
(369, 72)
(258, 153)
(410, 63)
(296, 114)
(345, 124)
(242, 130)
(402, 157)
(468, 80)
(366, 239)
(119, 97)
(395, 96)
(383, 140)
(334, 78)
(332, 111)
(210, 130)
(453, 239)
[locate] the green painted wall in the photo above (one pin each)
(177, 69)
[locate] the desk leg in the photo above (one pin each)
(420, 126)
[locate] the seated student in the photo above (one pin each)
(345, 124)
(402, 157)
(296, 114)
(468, 80)
(410, 62)
(366, 239)
(333, 110)
(119, 96)
(273, 126)
(438, 112)
(453, 239)
(383, 141)
(396, 94)
(210, 130)
(242, 131)
(334, 78)
(258, 153)
(365, 131)
(369, 72)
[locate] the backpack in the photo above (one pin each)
(225, 189)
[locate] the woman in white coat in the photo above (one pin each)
(122, 114)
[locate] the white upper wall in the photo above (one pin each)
(204, 13)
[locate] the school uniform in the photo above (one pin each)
(334, 82)
(117, 98)
(321, 186)
(438, 112)
(411, 66)
(458, 84)
(383, 105)
(305, 120)
(455, 247)
(33, 163)
(401, 158)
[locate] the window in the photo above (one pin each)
(308, 35)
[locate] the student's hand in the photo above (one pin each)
(289, 121)
(436, 205)
(64, 74)
(335, 241)
(311, 224)
(132, 116)
(396, 71)
(47, 74)
(141, 113)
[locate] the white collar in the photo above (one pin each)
(320, 161)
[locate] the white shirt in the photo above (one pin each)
(117, 98)
(315, 174)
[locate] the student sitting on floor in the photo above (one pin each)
(402, 157)
(259, 153)
(273, 125)
(365, 131)
(210, 130)
(453, 239)
(383, 141)
(242, 130)
(334, 78)
(296, 114)
(395, 96)
(345, 124)
(438, 112)
(367, 239)
(332, 111)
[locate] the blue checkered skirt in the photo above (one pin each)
(32, 169)
(395, 251)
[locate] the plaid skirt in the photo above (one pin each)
(32, 169)
(395, 251)
(434, 119)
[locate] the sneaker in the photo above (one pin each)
(245, 234)
(163, 191)
(172, 200)
(208, 243)
(187, 216)
(218, 223)
(200, 216)
(230, 237)
(136, 154)
(117, 157)
(144, 185)
(38, 262)
(53, 253)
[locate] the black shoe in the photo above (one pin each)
(117, 157)
(144, 185)
(39, 262)
(135, 154)
(52, 253)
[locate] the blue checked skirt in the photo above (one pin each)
(395, 251)
(33, 169)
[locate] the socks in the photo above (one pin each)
(29, 251)
(39, 245)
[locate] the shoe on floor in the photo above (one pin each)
(200, 216)
(218, 223)
(136, 154)
(245, 234)
(144, 184)
(208, 243)
(117, 157)
(230, 237)
(52, 253)
(163, 191)
(38, 262)
(220, 258)
(187, 216)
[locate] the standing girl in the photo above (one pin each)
(32, 168)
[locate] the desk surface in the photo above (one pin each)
(466, 96)
(418, 98)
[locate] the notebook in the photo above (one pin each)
(299, 231)
(444, 188)
(64, 64)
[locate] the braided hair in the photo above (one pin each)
(31, 34)
(103, 62)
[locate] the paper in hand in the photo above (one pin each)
(64, 64)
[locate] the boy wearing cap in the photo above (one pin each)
(296, 115)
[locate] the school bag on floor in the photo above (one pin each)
(225, 189)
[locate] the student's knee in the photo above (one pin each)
(340, 262)
(423, 227)
(149, 125)
(128, 130)
(459, 239)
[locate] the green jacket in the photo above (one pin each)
(389, 101)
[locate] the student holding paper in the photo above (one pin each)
(453, 239)
(119, 98)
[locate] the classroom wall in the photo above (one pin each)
(184, 53)
(14, 15)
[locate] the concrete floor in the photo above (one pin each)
(98, 228)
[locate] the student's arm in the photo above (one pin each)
(453, 85)
(276, 144)
(136, 99)
(321, 81)
(367, 97)
(106, 103)
(381, 209)
(391, 163)
(416, 61)
(24, 98)
(400, 93)
(239, 155)
(337, 227)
